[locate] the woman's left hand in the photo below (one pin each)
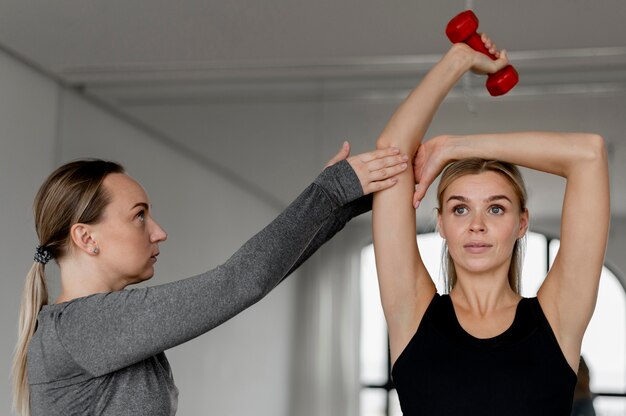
(377, 169)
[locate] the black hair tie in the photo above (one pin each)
(42, 255)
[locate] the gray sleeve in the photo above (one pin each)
(106, 332)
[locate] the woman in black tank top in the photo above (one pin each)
(481, 349)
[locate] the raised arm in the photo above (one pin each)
(569, 292)
(405, 286)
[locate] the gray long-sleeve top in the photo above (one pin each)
(104, 354)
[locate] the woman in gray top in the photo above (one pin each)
(99, 349)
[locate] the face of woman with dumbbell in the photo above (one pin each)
(482, 216)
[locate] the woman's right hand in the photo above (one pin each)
(376, 170)
(482, 64)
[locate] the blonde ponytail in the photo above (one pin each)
(34, 296)
(71, 194)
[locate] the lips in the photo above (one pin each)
(477, 247)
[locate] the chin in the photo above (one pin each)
(477, 267)
(144, 277)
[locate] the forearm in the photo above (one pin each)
(557, 153)
(409, 123)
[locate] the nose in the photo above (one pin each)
(477, 224)
(158, 234)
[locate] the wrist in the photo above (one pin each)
(452, 148)
(460, 57)
(340, 182)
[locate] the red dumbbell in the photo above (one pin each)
(462, 28)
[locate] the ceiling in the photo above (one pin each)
(144, 58)
(94, 40)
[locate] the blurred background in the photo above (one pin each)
(225, 111)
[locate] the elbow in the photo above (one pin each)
(405, 144)
(592, 154)
(596, 149)
(384, 142)
(587, 150)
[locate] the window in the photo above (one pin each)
(604, 345)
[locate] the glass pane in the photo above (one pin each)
(610, 406)
(604, 344)
(535, 264)
(554, 249)
(373, 402)
(394, 404)
(373, 342)
(431, 247)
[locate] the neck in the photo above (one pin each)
(483, 293)
(81, 277)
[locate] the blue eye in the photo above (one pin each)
(496, 210)
(459, 210)
(141, 215)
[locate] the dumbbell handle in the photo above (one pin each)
(476, 43)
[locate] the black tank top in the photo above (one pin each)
(444, 371)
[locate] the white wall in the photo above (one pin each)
(28, 123)
(207, 219)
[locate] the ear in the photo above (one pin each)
(523, 223)
(439, 227)
(82, 237)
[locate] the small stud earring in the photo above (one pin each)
(95, 250)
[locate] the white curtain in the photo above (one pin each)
(326, 345)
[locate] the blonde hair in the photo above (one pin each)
(72, 194)
(474, 166)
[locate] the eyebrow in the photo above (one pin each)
(141, 204)
(490, 199)
(499, 197)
